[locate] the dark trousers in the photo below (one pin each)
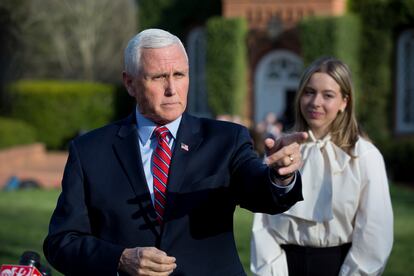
(315, 261)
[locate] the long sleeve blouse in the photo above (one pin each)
(346, 200)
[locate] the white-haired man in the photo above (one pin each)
(155, 193)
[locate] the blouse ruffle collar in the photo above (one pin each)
(322, 160)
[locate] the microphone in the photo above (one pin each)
(29, 265)
(30, 258)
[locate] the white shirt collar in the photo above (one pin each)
(322, 140)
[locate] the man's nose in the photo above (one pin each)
(169, 86)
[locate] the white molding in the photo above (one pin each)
(276, 73)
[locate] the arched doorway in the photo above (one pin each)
(275, 83)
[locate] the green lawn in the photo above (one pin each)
(24, 218)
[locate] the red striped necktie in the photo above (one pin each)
(161, 159)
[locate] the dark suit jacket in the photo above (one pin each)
(105, 205)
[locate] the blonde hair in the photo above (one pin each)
(344, 128)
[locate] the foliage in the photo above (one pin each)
(333, 36)
(170, 14)
(382, 22)
(226, 65)
(70, 39)
(150, 12)
(317, 37)
(123, 104)
(243, 220)
(375, 59)
(11, 18)
(9, 30)
(398, 156)
(24, 219)
(15, 132)
(61, 110)
(401, 260)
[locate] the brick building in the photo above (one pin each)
(274, 53)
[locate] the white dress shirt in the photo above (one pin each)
(346, 200)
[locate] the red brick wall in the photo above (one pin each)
(259, 12)
(32, 162)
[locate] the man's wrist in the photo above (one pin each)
(279, 179)
(284, 177)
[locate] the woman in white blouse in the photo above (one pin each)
(344, 226)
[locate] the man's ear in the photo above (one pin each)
(127, 79)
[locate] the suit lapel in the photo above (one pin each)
(188, 139)
(129, 155)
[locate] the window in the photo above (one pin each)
(405, 83)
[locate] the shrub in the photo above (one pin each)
(333, 36)
(381, 23)
(399, 160)
(15, 132)
(375, 59)
(124, 104)
(157, 13)
(59, 110)
(226, 65)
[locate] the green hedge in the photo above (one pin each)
(381, 23)
(59, 110)
(150, 12)
(226, 71)
(333, 36)
(124, 104)
(15, 132)
(186, 13)
(376, 64)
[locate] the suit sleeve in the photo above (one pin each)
(255, 190)
(70, 246)
(372, 238)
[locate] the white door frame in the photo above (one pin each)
(276, 73)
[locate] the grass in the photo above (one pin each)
(402, 255)
(25, 214)
(24, 219)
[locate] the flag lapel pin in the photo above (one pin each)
(184, 147)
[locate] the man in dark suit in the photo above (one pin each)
(154, 194)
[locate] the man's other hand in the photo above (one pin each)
(146, 261)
